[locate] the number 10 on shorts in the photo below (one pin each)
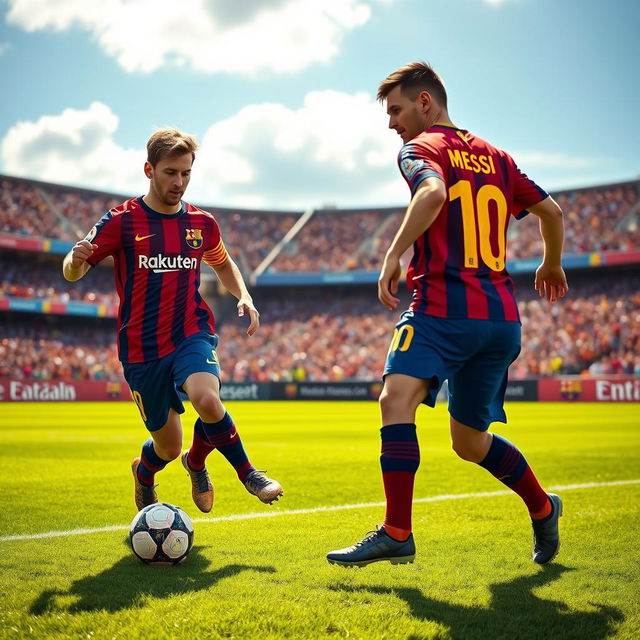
(402, 338)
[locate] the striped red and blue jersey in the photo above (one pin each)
(458, 266)
(157, 273)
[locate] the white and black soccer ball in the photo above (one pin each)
(161, 534)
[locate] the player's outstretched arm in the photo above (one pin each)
(75, 263)
(550, 281)
(423, 209)
(232, 280)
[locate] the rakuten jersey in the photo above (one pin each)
(458, 267)
(157, 273)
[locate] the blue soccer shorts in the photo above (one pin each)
(156, 385)
(473, 355)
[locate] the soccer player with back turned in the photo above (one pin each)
(166, 331)
(463, 324)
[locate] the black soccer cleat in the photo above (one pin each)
(546, 537)
(376, 546)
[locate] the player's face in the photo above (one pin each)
(169, 178)
(406, 116)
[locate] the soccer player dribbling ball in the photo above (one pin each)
(166, 331)
(463, 324)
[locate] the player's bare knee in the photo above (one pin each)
(168, 451)
(208, 406)
(396, 406)
(463, 450)
(389, 402)
(471, 446)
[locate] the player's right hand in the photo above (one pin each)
(81, 251)
(388, 282)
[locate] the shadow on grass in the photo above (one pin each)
(513, 612)
(128, 581)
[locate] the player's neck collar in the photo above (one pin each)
(446, 125)
(159, 214)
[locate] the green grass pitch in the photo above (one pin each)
(65, 467)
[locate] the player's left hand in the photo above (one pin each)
(551, 282)
(246, 306)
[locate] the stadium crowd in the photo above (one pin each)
(23, 211)
(40, 277)
(333, 239)
(251, 235)
(592, 219)
(320, 335)
(337, 241)
(49, 211)
(43, 349)
(595, 330)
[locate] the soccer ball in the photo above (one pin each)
(161, 534)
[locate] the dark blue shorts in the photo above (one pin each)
(155, 385)
(473, 355)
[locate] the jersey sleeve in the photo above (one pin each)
(418, 162)
(217, 254)
(106, 234)
(526, 193)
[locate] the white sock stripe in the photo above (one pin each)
(295, 512)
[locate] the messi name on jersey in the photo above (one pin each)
(161, 263)
(471, 162)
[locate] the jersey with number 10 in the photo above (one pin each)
(458, 267)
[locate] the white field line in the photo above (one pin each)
(295, 512)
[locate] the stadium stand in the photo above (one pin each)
(598, 219)
(337, 241)
(43, 347)
(44, 210)
(345, 336)
(36, 276)
(310, 333)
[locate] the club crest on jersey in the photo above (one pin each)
(194, 238)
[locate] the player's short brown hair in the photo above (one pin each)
(169, 142)
(412, 79)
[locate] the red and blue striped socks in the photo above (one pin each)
(223, 436)
(150, 464)
(507, 464)
(399, 460)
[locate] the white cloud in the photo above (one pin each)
(75, 148)
(497, 3)
(335, 148)
(230, 36)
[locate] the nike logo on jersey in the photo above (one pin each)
(211, 361)
(138, 237)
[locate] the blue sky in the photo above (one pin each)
(281, 93)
